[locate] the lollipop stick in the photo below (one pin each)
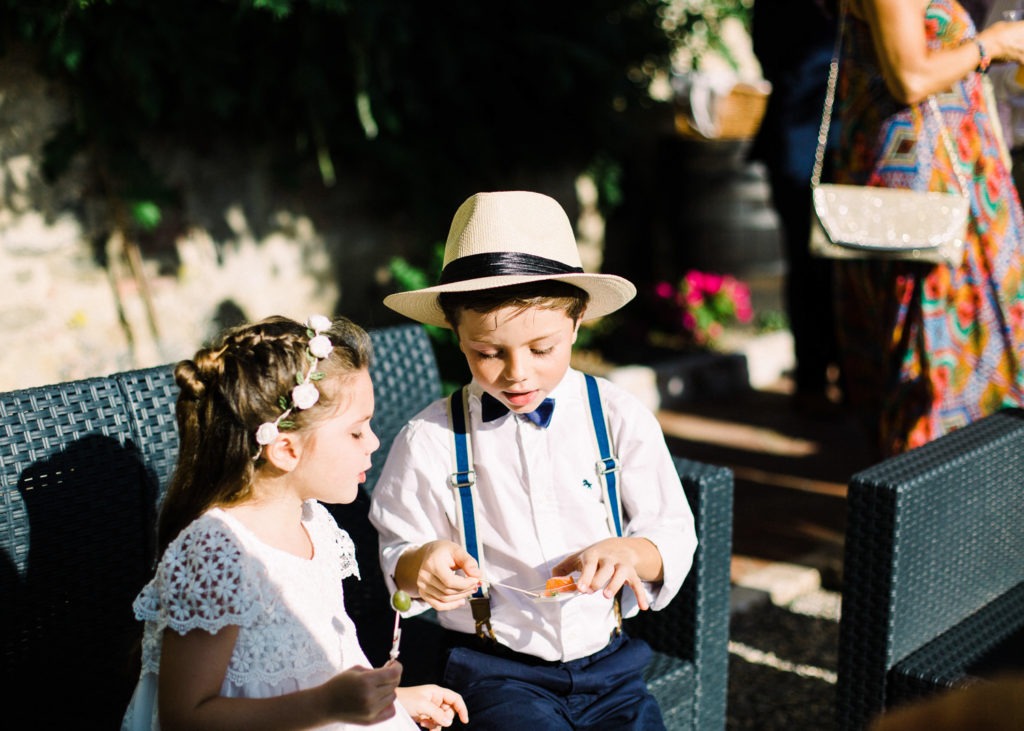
(395, 637)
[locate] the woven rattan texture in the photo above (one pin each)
(957, 657)
(673, 683)
(75, 532)
(151, 395)
(933, 535)
(695, 626)
(405, 381)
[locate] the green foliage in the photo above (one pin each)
(771, 321)
(146, 214)
(424, 103)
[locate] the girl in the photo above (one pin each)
(245, 619)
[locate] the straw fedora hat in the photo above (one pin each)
(511, 237)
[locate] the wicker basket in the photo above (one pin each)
(737, 115)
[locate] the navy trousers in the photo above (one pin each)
(605, 691)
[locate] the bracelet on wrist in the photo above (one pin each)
(984, 60)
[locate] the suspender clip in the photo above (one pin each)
(462, 479)
(607, 464)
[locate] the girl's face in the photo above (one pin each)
(336, 452)
(517, 356)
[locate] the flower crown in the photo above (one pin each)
(305, 394)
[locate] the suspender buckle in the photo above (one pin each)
(481, 608)
(462, 479)
(607, 464)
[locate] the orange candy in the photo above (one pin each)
(559, 584)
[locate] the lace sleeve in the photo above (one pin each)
(201, 583)
(341, 545)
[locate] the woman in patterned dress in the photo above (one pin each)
(929, 348)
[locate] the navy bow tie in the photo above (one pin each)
(494, 409)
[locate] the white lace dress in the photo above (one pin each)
(293, 629)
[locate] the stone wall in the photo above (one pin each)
(249, 249)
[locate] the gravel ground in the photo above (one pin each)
(782, 665)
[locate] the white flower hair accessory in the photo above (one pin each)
(305, 393)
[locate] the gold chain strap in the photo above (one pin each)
(826, 116)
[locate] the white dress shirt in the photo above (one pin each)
(538, 499)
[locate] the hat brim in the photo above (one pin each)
(608, 293)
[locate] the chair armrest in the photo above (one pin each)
(986, 643)
(932, 536)
(695, 626)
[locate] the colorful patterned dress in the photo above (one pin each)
(927, 348)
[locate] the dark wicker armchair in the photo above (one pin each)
(933, 583)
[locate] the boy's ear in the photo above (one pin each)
(575, 332)
(283, 453)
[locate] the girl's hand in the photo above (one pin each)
(432, 706)
(363, 695)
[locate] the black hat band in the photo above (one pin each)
(503, 263)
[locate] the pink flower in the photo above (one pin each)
(707, 303)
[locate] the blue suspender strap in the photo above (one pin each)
(463, 478)
(463, 482)
(608, 465)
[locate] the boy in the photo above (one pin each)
(496, 490)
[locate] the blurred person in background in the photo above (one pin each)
(797, 66)
(927, 348)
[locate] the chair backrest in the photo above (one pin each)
(76, 540)
(933, 535)
(150, 395)
(404, 374)
(405, 381)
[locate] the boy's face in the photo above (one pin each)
(517, 356)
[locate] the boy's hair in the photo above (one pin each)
(547, 294)
(228, 390)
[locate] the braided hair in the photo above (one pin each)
(227, 390)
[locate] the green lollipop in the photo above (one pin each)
(401, 601)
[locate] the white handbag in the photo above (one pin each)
(869, 222)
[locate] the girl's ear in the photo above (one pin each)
(283, 453)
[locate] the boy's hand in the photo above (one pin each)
(613, 563)
(432, 706)
(432, 570)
